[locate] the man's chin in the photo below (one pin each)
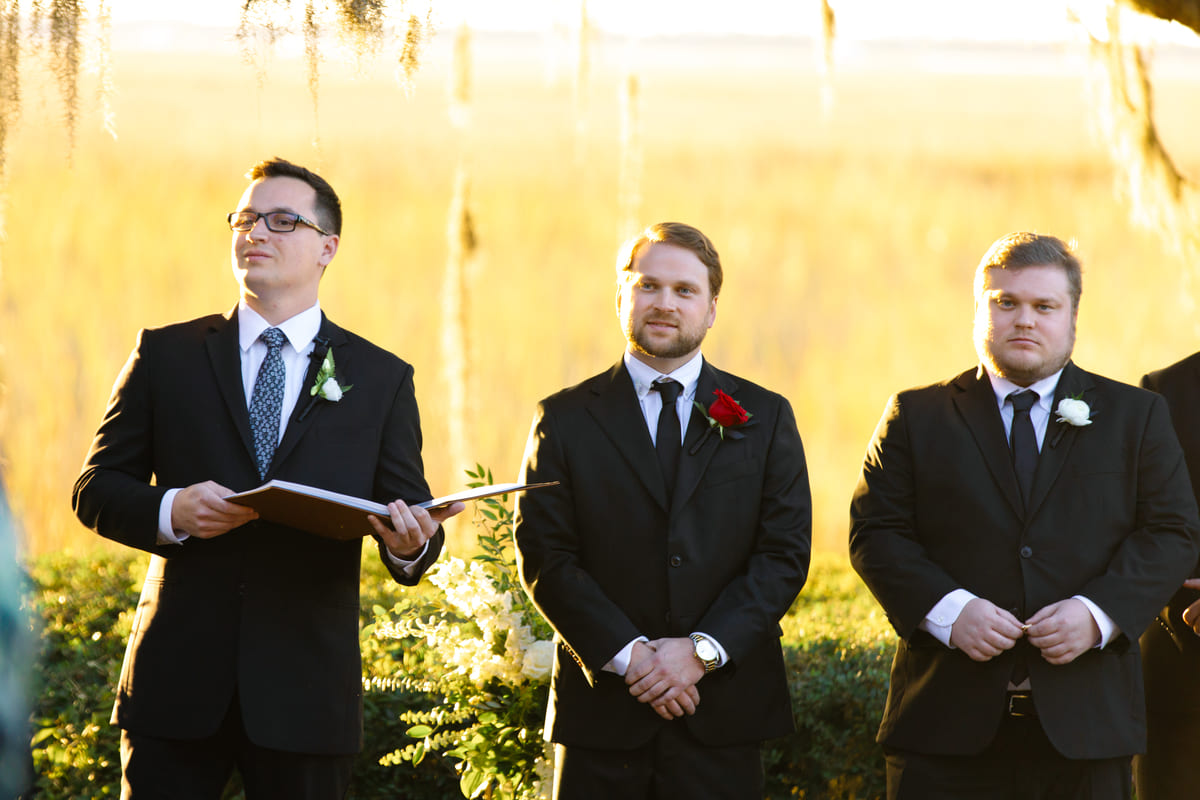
(1024, 373)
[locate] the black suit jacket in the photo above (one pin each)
(264, 610)
(607, 556)
(1170, 650)
(937, 508)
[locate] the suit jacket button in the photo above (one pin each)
(1026, 551)
(676, 561)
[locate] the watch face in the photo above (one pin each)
(706, 650)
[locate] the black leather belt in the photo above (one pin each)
(1020, 704)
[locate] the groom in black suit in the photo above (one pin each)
(1021, 524)
(677, 538)
(244, 649)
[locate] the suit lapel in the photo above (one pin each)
(309, 406)
(1060, 436)
(692, 465)
(976, 402)
(616, 409)
(225, 357)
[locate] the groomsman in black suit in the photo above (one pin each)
(1021, 523)
(1171, 644)
(678, 536)
(244, 649)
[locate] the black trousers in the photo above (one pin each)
(199, 769)
(674, 764)
(1020, 764)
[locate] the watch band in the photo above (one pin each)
(710, 664)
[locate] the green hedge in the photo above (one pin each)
(837, 645)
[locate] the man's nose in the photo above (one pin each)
(259, 230)
(664, 299)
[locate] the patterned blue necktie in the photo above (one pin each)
(266, 400)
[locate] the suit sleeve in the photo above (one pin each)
(1153, 561)
(748, 608)
(113, 495)
(591, 625)
(884, 547)
(400, 473)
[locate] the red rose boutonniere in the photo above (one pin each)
(725, 416)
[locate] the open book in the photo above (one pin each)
(342, 516)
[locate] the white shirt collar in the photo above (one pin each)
(643, 375)
(1002, 388)
(300, 330)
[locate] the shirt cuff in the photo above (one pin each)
(619, 663)
(407, 567)
(941, 617)
(1108, 628)
(166, 534)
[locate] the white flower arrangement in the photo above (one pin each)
(487, 655)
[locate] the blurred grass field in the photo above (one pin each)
(848, 242)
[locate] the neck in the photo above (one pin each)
(278, 311)
(664, 366)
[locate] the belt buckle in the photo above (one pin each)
(1020, 705)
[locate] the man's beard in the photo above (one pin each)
(684, 342)
(1027, 374)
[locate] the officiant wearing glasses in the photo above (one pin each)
(244, 648)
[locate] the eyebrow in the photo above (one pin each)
(276, 210)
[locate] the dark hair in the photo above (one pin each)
(329, 208)
(1018, 250)
(680, 235)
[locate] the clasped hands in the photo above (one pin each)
(664, 673)
(201, 510)
(1062, 631)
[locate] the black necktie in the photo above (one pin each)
(1023, 441)
(667, 440)
(266, 400)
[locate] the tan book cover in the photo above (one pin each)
(342, 516)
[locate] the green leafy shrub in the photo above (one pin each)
(86, 610)
(837, 644)
(838, 647)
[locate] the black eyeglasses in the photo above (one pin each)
(277, 221)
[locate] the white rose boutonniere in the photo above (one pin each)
(326, 385)
(1074, 411)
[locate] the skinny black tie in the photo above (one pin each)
(1023, 441)
(667, 440)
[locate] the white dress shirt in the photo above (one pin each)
(650, 400)
(300, 332)
(941, 618)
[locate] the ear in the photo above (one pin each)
(712, 313)
(617, 301)
(329, 250)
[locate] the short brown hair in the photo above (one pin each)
(329, 207)
(1018, 250)
(680, 235)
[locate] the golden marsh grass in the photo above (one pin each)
(849, 244)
